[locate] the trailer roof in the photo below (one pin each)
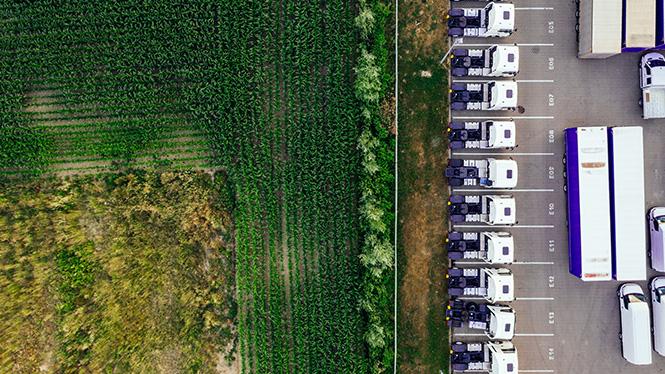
(606, 26)
(640, 24)
(636, 333)
(628, 202)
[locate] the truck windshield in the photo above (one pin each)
(633, 298)
(654, 63)
(490, 52)
(488, 10)
(660, 291)
(489, 92)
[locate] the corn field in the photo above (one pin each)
(260, 88)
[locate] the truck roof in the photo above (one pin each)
(640, 24)
(502, 134)
(507, 58)
(501, 285)
(504, 358)
(505, 94)
(503, 173)
(502, 16)
(636, 333)
(502, 211)
(501, 248)
(502, 324)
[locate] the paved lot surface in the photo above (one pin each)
(563, 325)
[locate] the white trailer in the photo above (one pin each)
(489, 246)
(599, 28)
(652, 83)
(482, 135)
(588, 201)
(627, 201)
(493, 20)
(490, 173)
(494, 61)
(491, 357)
(639, 25)
(494, 95)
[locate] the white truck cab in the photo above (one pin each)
(652, 83)
(490, 357)
(482, 135)
(503, 95)
(657, 288)
(501, 210)
(635, 324)
(502, 322)
(657, 233)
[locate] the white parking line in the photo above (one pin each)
(505, 226)
(534, 8)
(503, 153)
(517, 44)
(541, 335)
(503, 190)
(534, 298)
(536, 371)
(505, 118)
(534, 80)
(462, 262)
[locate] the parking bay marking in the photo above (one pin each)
(535, 8)
(516, 44)
(503, 118)
(516, 334)
(504, 190)
(517, 81)
(503, 153)
(534, 299)
(506, 226)
(514, 263)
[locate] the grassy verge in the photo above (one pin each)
(422, 333)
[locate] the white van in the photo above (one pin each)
(657, 288)
(657, 233)
(635, 325)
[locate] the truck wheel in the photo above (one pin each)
(565, 188)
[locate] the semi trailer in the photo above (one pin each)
(490, 173)
(496, 321)
(482, 135)
(489, 357)
(489, 246)
(494, 95)
(627, 203)
(494, 61)
(588, 201)
(493, 285)
(489, 209)
(493, 20)
(599, 28)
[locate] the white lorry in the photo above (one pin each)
(657, 233)
(489, 209)
(497, 321)
(494, 61)
(635, 324)
(490, 357)
(652, 83)
(489, 246)
(657, 288)
(482, 135)
(490, 173)
(495, 95)
(493, 285)
(490, 21)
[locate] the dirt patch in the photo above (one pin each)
(422, 335)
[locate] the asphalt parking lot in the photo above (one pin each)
(563, 324)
